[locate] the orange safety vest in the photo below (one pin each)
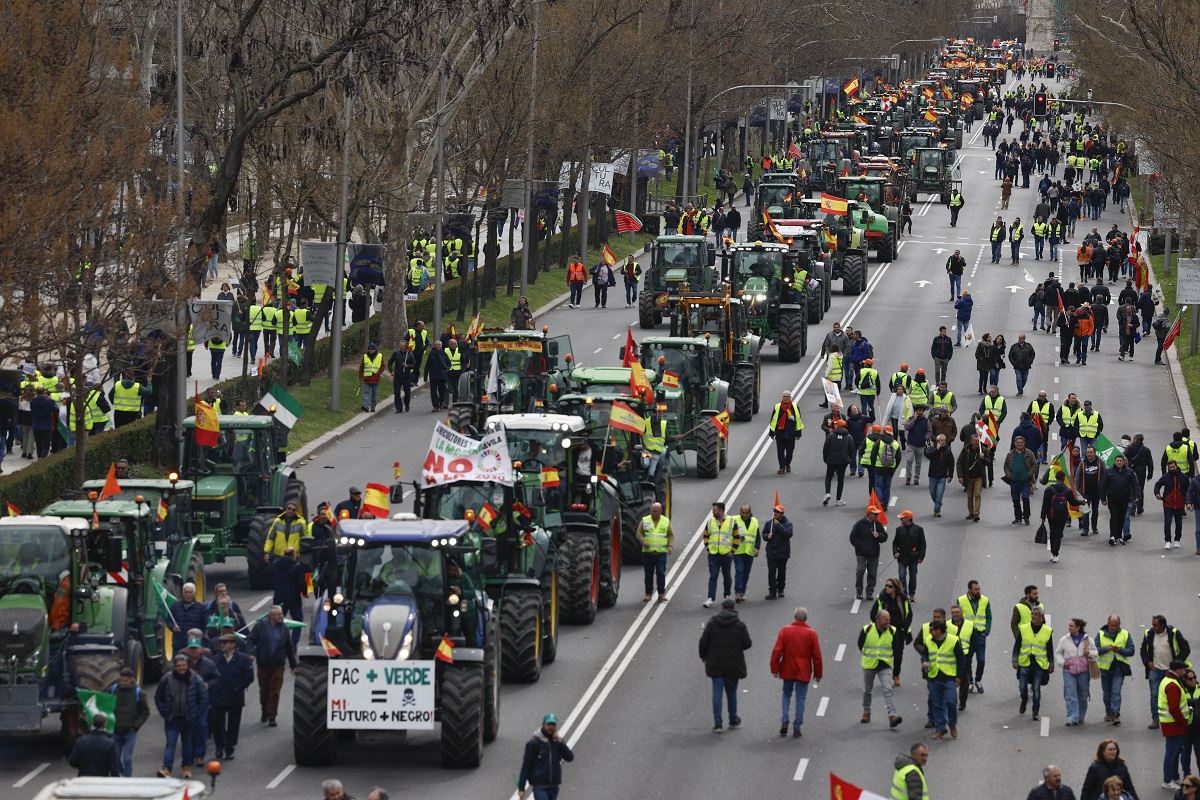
(576, 273)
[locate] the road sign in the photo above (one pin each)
(381, 695)
(1187, 289)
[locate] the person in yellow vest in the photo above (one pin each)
(908, 781)
(1114, 646)
(942, 661)
(720, 539)
(875, 642)
(1161, 644)
(1089, 423)
(285, 532)
(1032, 658)
(1175, 714)
(418, 341)
(654, 441)
(216, 349)
(71, 413)
(320, 313)
(458, 362)
(98, 407)
(657, 540)
(254, 329)
(369, 371)
(191, 346)
(868, 386)
(964, 629)
(834, 366)
(1022, 610)
(302, 323)
(785, 428)
(744, 553)
(270, 328)
(976, 609)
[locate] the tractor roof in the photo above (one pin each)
(604, 375)
(536, 422)
(862, 179)
(237, 421)
(392, 531)
(755, 247)
(104, 508)
(673, 239)
(154, 484)
(674, 342)
(25, 520)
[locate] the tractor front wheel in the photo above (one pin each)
(791, 331)
(257, 568)
(583, 577)
(521, 635)
(313, 743)
(853, 274)
(743, 394)
(462, 716)
(708, 450)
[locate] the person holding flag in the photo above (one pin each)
(1164, 327)
(1056, 510)
(602, 278)
(972, 466)
(1087, 480)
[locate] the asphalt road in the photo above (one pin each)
(630, 690)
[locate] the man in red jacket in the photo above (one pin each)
(796, 659)
(1174, 716)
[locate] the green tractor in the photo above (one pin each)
(78, 604)
(530, 365)
(776, 194)
(879, 215)
(934, 170)
(677, 264)
(690, 386)
(241, 486)
(842, 247)
(723, 321)
(624, 463)
(403, 592)
(763, 276)
(826, 156)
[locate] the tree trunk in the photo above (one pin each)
(393, 326)
(490, 252)
(511, 255)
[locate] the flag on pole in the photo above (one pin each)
(630, 355)
(844, 790)
(396, 470)
(1174, 332)
(165, 598)
(493, 383)
(625, 418)
(445, 650)
(162, 509)
(639, 384)
(1106, 451)
(375, 501)
(627, 223)
(794, 151)
(111, 487)
(968, 338)
(208, 429)
(947, 94)
(859, 119)
(486, 516)
(474, 328)
(931, 115)
(722, 422)
(832, 204)
(882, 511)
(13, 511)
(987, 434)
(329, 647)
(608, 255)
(772, 229)
(93, 703)
(550, 477)
(851, 86)
(293, 624)
(281, 405)
(927, 93)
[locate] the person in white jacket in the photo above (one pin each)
(1073, 655)
(899, 408)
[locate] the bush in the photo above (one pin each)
(1158, 244)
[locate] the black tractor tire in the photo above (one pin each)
(853, 275)
(313, 743)
(791, 331)
(463, 714)
(158, 666)
(459, 417)
(708, 450)
(895, 242)
(827, 285)
(648, 315)
(521, 635)
(757, 386)
(581, 597)
(724, 460)
(610, 563)
(94, 672)
(631, 551)
(257, 568)
(813, 306)
(884, 250)
(663, 488)
(297, 493)
(195, 574)
(491, 684)
(550, 611)
(742, 392)
(958, 139)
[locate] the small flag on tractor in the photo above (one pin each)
(162, 509)
(375, 501)
(639, 384)
(625, 418)
(13, 511)
(445, 650)
(721, 421)
(627, 223)
(832, 204)
(931, 116)
(550, 477)
(630, 356)
(670, 380)
(396, 470)
(947, 94)
(486, 516)
(927, 93)
(859, 119)
(330, 648)
(208, 429)
(851, 86)
(111, 487)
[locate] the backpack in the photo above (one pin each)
(1060, 510)
(867, 381)
(887, 455)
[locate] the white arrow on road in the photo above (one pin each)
(1015, 289)
(922, 284)
(1029, 277)
(939, 250)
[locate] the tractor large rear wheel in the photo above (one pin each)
(195, 574)
(462, 716)
(459, 417)
(813, 305)
(884, 250)
(791, 329)
(313, 743)
(94, 672)
(895, 242)
(610, 563)
(743, 394)
(724, 459)
(827, 284)
(298, 494)
(491, 684)
(708, 450)
(257, 568)
(550, 611)
(631, 551)
(648, 317)
(521, 635)
(853, 274)
(583, 577)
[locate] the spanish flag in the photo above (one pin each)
(722, 422)
(769, 224)
(832, 204)
(474, 328)
(927, 93)
(859, 119)
(968, 99)
(162, 509)
(329, 647)
(308, 584)
(851, 86)
(608, 255)
(445, 650)
(625, 418)
(947, 94)
(550, 477)
(486, 516)
(13, 511)
(521, 510)
(670, 380)
(375, 501)
(396, 470)
(931, 116)
(639, 384)
(208, 429)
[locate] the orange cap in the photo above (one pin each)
(903, 367)
(887, 429)
(906, 514)
(876, 429)
(874, 509)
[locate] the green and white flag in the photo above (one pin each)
(165, 598)
(92, 703)
(1106, 451)
(287, 408)
(293, 624)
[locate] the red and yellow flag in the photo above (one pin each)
(162, 509)
(208, 429)
(625, 418)
(550, 477)
(445, 650)
(851, 86)
(308, 584)
(486, 516)
(12, 509)
(931, 116)
(769, 224)
(375, 501)
(329, 647)
(927, 93)
(608, 255)
(111, 487)
(832, 204)
(639, 384)
(396, 470)
(670, 380)
(859, 119)
(947, 94)
(721, 421)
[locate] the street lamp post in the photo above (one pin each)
(529, 230)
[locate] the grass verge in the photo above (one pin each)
(318, 419)
(1189, 364)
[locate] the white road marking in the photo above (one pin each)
(1054, 436)
(800, 770)
(618, 336)
(854, 608)
(1049, 580)
(1056, 397)
(823, 706)
(282, 776)
(1045, 726)
(261, 603)
(38, 771)
(841, 651)
(597, 350)
(1056, 379)
(893, 501)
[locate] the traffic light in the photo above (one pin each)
(1056, 44)
(1039, 104)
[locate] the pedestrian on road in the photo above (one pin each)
(962, 314)
(287, 579)
(745, 551)
(865, 537)
(908, 781)
(95, 754)
(984, 360)
(285, 533)
(131, 713)
(369, 370)
(956, 206)
(1056, 511)
(189, 611)
(1119, 490)
(838, 453)
(942, 662)
(885, 460)
(1051, 787)
(1108, 764)
(1174, 717)
(941, 468)
(541, 768)
(977, 610)
(941, 350)
(437, 373)
(631, 271)
(972, 469)
(1074, 655)
(908, 549)
(894, 601)
(1162, 326)
(352, 505)
(1031, 659)
(777, 533)
(402, 365)
(723, 646)
(875, 642)
(1020, 473)
(1115, 647)
(202, 665)
(1021, 356)
(785, 428)
(1127, 322)
(719, 540)
(182, 700)
(955, 266)
(1141, 461)
(796, 659)
(1161, 645)
(859, 425)
(1088, 478)
(333, 790)
(576, 278)
(228, 695)
(657, 538)
(273, 650)
(602, 278)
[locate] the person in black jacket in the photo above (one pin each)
(1141, 461)
(908, 549)
(894, 601)
(1119, 489)
(95, 755)
(437, 372)
(1108, 763)
(273, 649)
(541, 768)
(723, 646)
(403, 367)
(287, 579)
(777, 533)
(865, 537)
(228, 696)
(837, 452)
(132, 712)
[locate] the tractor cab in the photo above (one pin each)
(238, 467)
(170, 500)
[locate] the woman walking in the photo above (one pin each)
(1074, 654)
(983, 361)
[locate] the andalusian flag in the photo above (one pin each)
(93, 703)
(625, 418)
(375, 501)
(851, 86)
(608, 255)
(208, 429)
(721, 421)
(832, 204)
(445, 650)
(1105, 449)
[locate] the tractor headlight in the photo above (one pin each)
(33, 659)
(405, 648)
(452, 599)
(339, 598)
(367, 652)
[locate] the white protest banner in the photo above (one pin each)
(319, 260)
(454, 457)
(832, 395)
(211, 318)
